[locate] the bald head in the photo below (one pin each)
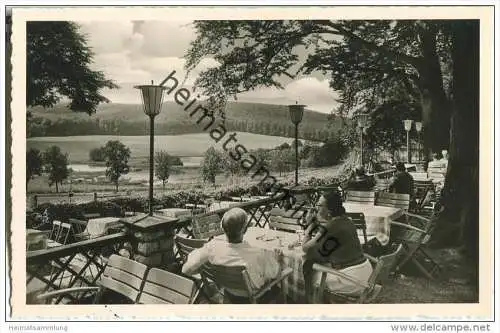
(234, 223)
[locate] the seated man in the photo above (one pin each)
(360, 181)
(402, 181)
(261, 266)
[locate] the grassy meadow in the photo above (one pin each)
(184, 146)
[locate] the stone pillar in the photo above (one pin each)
(152, 239)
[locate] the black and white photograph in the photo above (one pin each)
(243, 159)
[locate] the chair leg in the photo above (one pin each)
(422, 269)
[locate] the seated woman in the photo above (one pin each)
(332, 240)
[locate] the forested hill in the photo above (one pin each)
(129, 119)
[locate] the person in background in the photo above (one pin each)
(235, 251)
(402, 182)
(360, 181)
(331, 239)
(444, 159)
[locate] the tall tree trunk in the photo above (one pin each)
(436, 109)
(116, 186)
(461, 192)
(57, 187)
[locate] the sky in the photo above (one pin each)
(136, 52)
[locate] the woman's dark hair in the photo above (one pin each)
(334, 203)
(400, 166)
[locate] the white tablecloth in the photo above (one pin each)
(175, 212)
(100, 226)
(222, 205)
(378, 219)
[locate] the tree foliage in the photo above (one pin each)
(386, 131)
(56, 165)
(282, 160)
(117, 156)
(163, 166)
(369, 62)
(34, 164)
(212, 164)
(58, 65)
(97, 154)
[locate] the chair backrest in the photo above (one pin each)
(396, 200)
(205, 227)
(79, 226)
(64, 233)
(283, 223)
(364, 197)
(56, 229)
(60, 232)
(437, 172)
(358, 219)
(384, 267)
(422, 187)
(124, 276)
(232, 277)
(162, 287)
(186, 245)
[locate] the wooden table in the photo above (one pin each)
(293, 257)
(378, 219)
(100, 226)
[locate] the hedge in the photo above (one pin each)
(118, 206)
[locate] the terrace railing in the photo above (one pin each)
(74, 265)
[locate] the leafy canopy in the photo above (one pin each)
(163, 166)
(34, 163)
(117, 156)
(56, 164)
(369, 63)
(58, 65)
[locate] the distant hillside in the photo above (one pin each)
(129, 119)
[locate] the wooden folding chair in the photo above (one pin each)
(121, 275)
(363, 197)
(54, 233)
(78, 225)
(162, 287)
(360, 222)
(286, 220)
(396, 200)
(184, 247)
(206, 226)
(413, 236)
(383, 267)
(237, 277)
(60, 232)
(425, 190)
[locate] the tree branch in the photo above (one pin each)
(398, 56)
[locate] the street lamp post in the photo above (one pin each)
(296, 113)
(362, 124)
(152, 98)
(418, 127)
(152, 234)
(407, 123)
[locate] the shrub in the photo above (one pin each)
(331, 153)
(97, 155)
